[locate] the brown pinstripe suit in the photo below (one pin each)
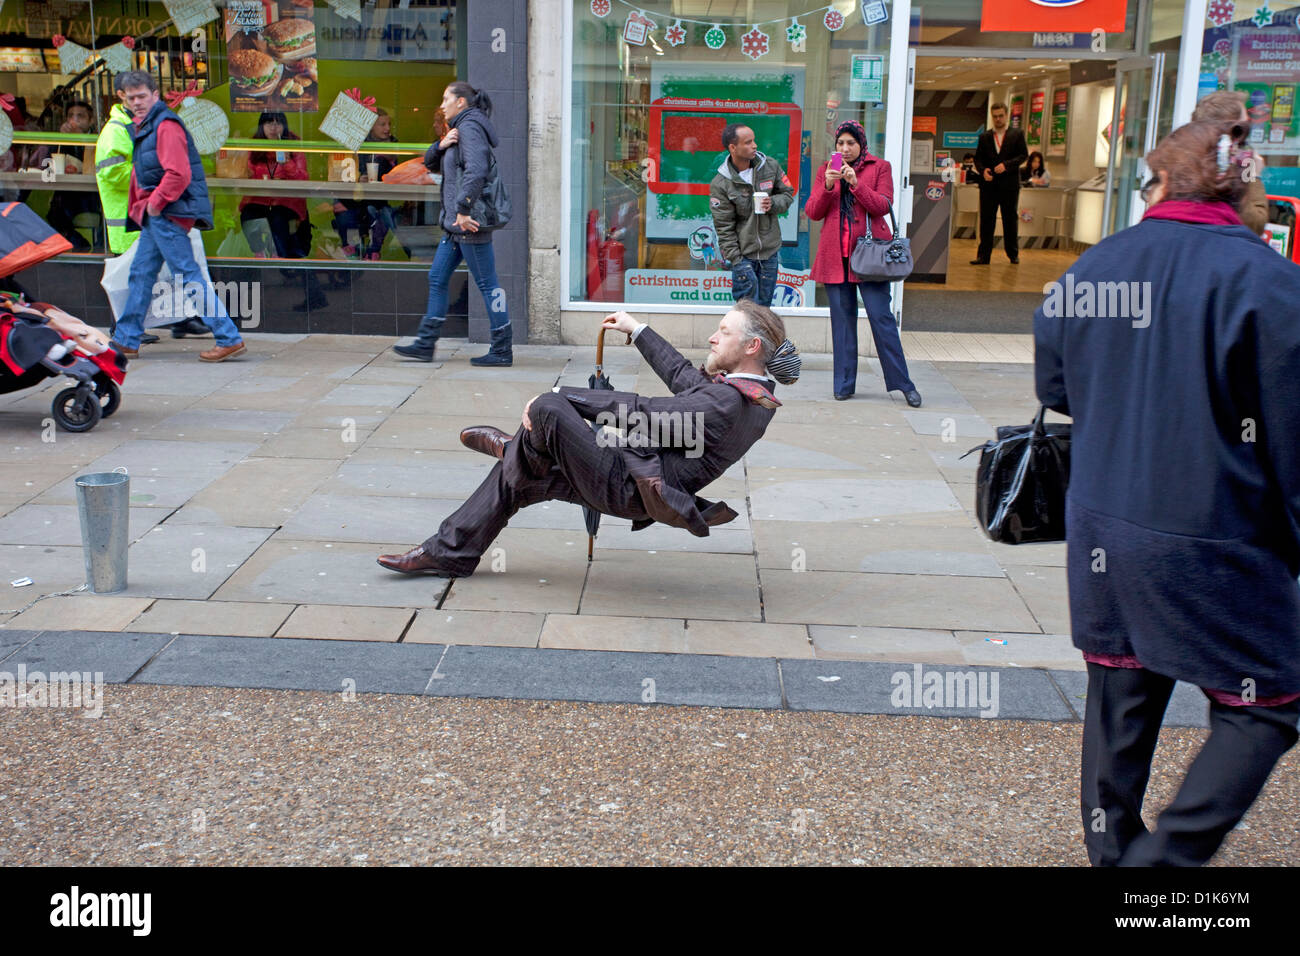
(560, 458)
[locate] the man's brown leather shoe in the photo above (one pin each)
(415, 561)
(485, 438)
(221, 352)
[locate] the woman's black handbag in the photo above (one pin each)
(492, 208)
(882, 260)
(1022, 479)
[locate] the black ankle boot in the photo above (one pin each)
(500, 353)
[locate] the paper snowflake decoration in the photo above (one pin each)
(796, 33)
(1220, 12)
(600, 8)
(675, 34)
(1224, 46)
(833, 19)
(715, 38)
(1263, 16)
(754, 43)
(1213, 61)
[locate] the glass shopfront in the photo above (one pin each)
(264, 76)
(653, 85)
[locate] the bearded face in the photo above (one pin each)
(711, 364)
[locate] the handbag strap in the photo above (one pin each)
(1040, 426)
(892, 221)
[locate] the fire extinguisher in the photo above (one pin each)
(611, 269)
(594, 274)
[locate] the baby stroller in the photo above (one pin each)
(39, 340)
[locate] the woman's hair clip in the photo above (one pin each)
(1225, 150)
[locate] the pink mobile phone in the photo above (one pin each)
(837, 160)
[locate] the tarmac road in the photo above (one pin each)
(178, 775)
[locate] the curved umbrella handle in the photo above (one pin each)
(600, 346)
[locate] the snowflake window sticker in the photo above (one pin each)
(833, 19)
(675, 34)
(1220, 12)
(754, 44)
(1263, 16)
(796, 33)
(600, 8)
(715, 38)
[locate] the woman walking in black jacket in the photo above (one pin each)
(464, 157)
(1175, 349)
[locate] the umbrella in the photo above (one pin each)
(26, 239)
(599, 380)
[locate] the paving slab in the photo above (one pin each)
(32, 479)
(885, 644)
(541, 571)
(362, 667)
(221, 425)
(55, 525)
(676, 584)
(384, 395)
(233, 618)
(899, 546)
(51, 569)
(615, 536)
(410, 473)
(11, 639)
(965, 430)
(850, 499)
(364, 417)
(188, 561)
(175, 377)
(260, 493)
(346, 623)
(285, 571)
(344, 517)
(865, 687)
(594, 632)
(894, 600)
(173, 459)
(1188, 707)
(1042, 554)
(1020, 650)
(82, 612)
(430, 431)
(497, 628)
(735, 639)
(117, 656)
(607, 677)
(1044, 590)
(312, 443)
(491, 399)
(147, 491)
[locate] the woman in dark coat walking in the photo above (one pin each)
(1174, 346)
(464, 157)
(844, 200)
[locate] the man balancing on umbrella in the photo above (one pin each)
(651, 477)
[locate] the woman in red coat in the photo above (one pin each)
(285, 215)
(844, 200)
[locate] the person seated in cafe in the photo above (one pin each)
(969, 174)
(285, 216)
(371, 219)
(1034, 172)
(66, 205)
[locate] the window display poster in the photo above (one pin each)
(1273, 119)
(867, 81)
(1060, 122)
(271, 50)
(692, 102)
(794, 287)
(922, 155)
(1017, 119)
(1034, 130)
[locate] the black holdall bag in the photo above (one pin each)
(492, 208)
(1022, 480)
(882, 260)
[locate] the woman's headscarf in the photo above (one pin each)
(854, 129)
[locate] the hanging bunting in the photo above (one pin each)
(754, 43)
(715, 38)
(637, 28)
(207, 123)
(675, 34)
(350, 119)
(73, 57)
(351, 9)
(6, 130)
(600, 8)
(189, 15)
(796, 33)
(1221, 12)
(119, 57)
(833, 19)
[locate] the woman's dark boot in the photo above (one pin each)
(500, 353)
(426, 339)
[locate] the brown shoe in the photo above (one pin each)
(485, 438)
(416, 561)
(222, 352)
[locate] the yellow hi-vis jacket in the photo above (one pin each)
(113, 152)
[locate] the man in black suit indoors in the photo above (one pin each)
(997, 161)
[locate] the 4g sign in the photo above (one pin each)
(1053, 16)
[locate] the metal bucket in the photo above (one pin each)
(103, 504)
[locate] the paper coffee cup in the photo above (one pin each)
(758, 202)
(372, 172)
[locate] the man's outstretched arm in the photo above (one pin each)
(669, 364)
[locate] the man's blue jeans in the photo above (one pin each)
(161, 240)
(482, 266)
(755, 279)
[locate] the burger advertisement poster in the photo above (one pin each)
(271, 48)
